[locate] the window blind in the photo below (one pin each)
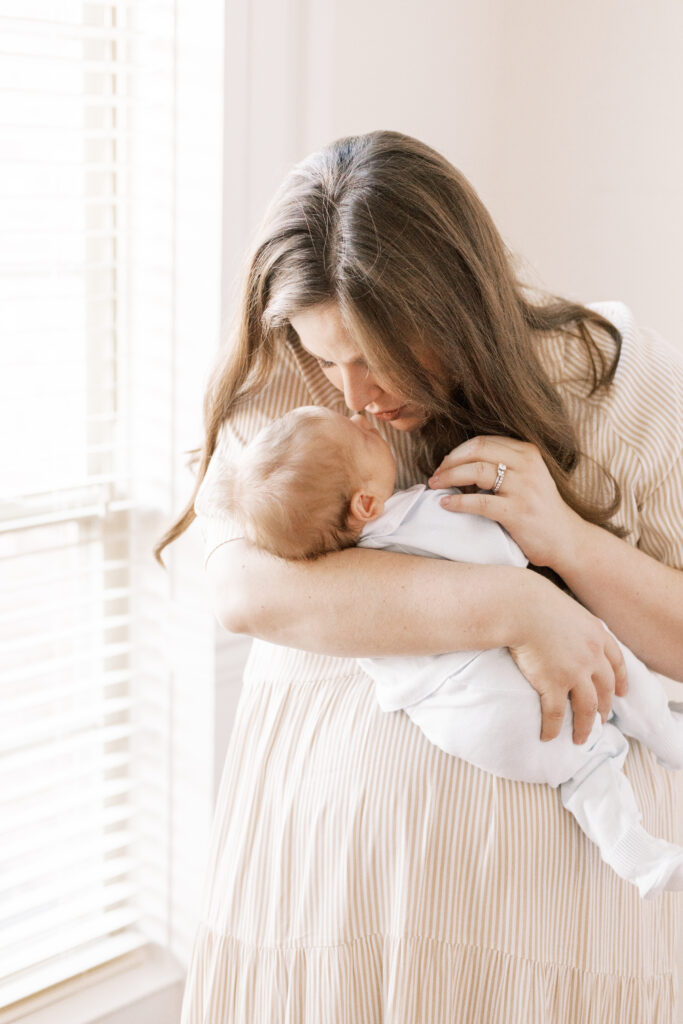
(87, 158)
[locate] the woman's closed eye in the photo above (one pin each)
(327, 364)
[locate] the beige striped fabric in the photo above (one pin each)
(360, 875)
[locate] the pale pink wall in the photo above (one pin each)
(568, 119)
(589, 179)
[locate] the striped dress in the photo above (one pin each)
(358, 874)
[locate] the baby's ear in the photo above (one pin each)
(365, 507)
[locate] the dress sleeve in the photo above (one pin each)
(660, 508)
(661, 519)
(637, 431)
(287, 389)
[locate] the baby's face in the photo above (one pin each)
(366, 448)
(373, 456)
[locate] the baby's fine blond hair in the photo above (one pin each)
(291, 488)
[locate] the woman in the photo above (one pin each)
(356, 872)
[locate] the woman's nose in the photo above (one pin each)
(359, 387)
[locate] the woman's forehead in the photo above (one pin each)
(322, 332)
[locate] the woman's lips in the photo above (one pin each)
(388, 414)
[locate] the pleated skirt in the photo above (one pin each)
(359, 875)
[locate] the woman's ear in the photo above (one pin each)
(365, 507)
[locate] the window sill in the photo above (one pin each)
(144, 986)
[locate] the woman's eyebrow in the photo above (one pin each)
(358, 361)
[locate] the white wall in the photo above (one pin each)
(590, 149)
(567, 118)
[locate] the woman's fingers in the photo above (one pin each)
(565, 651)
(478, 503)
(480, 474)
(595, 695)
(584, 702)
(553, 708)
(491, 449)
(589, 696)
(616, 660)
(603, 680)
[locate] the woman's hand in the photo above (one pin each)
(565, 651)
(527, 502)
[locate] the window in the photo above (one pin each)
(96, 406)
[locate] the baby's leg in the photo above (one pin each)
(646, 714)
(489, 715)
(601, 799)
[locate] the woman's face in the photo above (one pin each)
(322, 333)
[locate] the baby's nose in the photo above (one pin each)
(360, 421)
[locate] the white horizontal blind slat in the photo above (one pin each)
(51, 972)
(58, 940)
(49, 667)
(26, 787)
(30, 927)
(30, 733)
(19, 647)
(41, 607)
(22, 860)
(40, 817)
(60, 749)
(15, 901)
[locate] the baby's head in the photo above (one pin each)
(310, 481)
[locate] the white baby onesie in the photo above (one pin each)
(477, 705)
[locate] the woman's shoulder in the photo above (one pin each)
(642, 409)
(649, 365)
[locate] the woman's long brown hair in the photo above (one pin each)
(388, 229)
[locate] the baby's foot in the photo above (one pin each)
(668, 877)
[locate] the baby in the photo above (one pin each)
(315, 481)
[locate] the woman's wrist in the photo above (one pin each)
(520, 603)
(636, 596)
(569, 559)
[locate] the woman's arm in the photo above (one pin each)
(640, 599)
(363, 603)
